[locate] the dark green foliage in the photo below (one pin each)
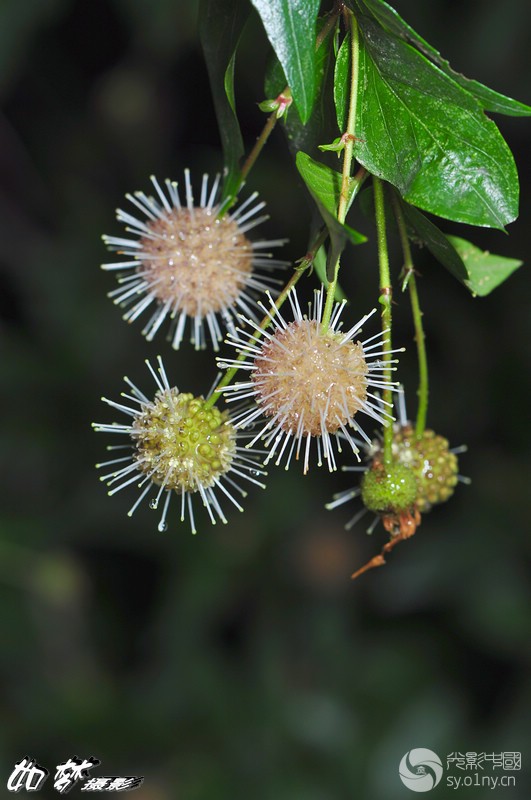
(420, 126)
(324, 184)
(221, 24)
(291, 28)
(429, 137)
(240, 663)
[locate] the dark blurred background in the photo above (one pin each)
(242, 662)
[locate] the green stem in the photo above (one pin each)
(386, 299)
(260, 142)
(330, 23)
(423, 390)
(307, 261)
(229, 201)
(264, 324)
(274, 116)
(321, 238)
(420, 338)
(348, 155)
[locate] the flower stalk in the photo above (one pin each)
(283, 102)
(420, 338)
(348, 155)
(305, 386)
(385, 299)
(261, 140)
(264, 324)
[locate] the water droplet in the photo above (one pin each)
(255, 472)
(162, 526)
(153, 504)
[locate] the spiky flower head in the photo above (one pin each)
(187, 261)
(179, 444)
(308, 382)
(430, 459)
(388, 488)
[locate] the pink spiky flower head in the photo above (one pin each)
(308, 383)
(187, 261)
(178, 444)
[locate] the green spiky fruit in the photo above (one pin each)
(182, 443)
(386, 489)
(431, 461)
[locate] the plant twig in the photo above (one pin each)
(420, 338)
(284, 99)
(348, 154)
(385, 299)
(264, 324)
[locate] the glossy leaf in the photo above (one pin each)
(304, 136)
(479, 270)
(290, 26)
(391, 21)
(342, 83)
(220, 27)
(436, 242)
(485, 270)
(228, 82)
(324, 184)
(427, 136)
(274, 80)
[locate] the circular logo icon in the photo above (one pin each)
(420, 770)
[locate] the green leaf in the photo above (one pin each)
(427, 136)
(228, 83)
(436, 242)
(485, 270)
(220, 27)
(319, 263)
(391, 21)
(305, 136)
(337, 146)
(324, 184)
(478, 270)
(489, 99)
(274, 80)
(342, 83)
(290, 26)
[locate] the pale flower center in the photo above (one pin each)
(302, 372)
(200, 262)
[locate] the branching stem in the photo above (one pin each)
(266, 321)
(343, 200)
(348, 154)
(386, 299)
(420, 338)
(285, 100)
(260, 142)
